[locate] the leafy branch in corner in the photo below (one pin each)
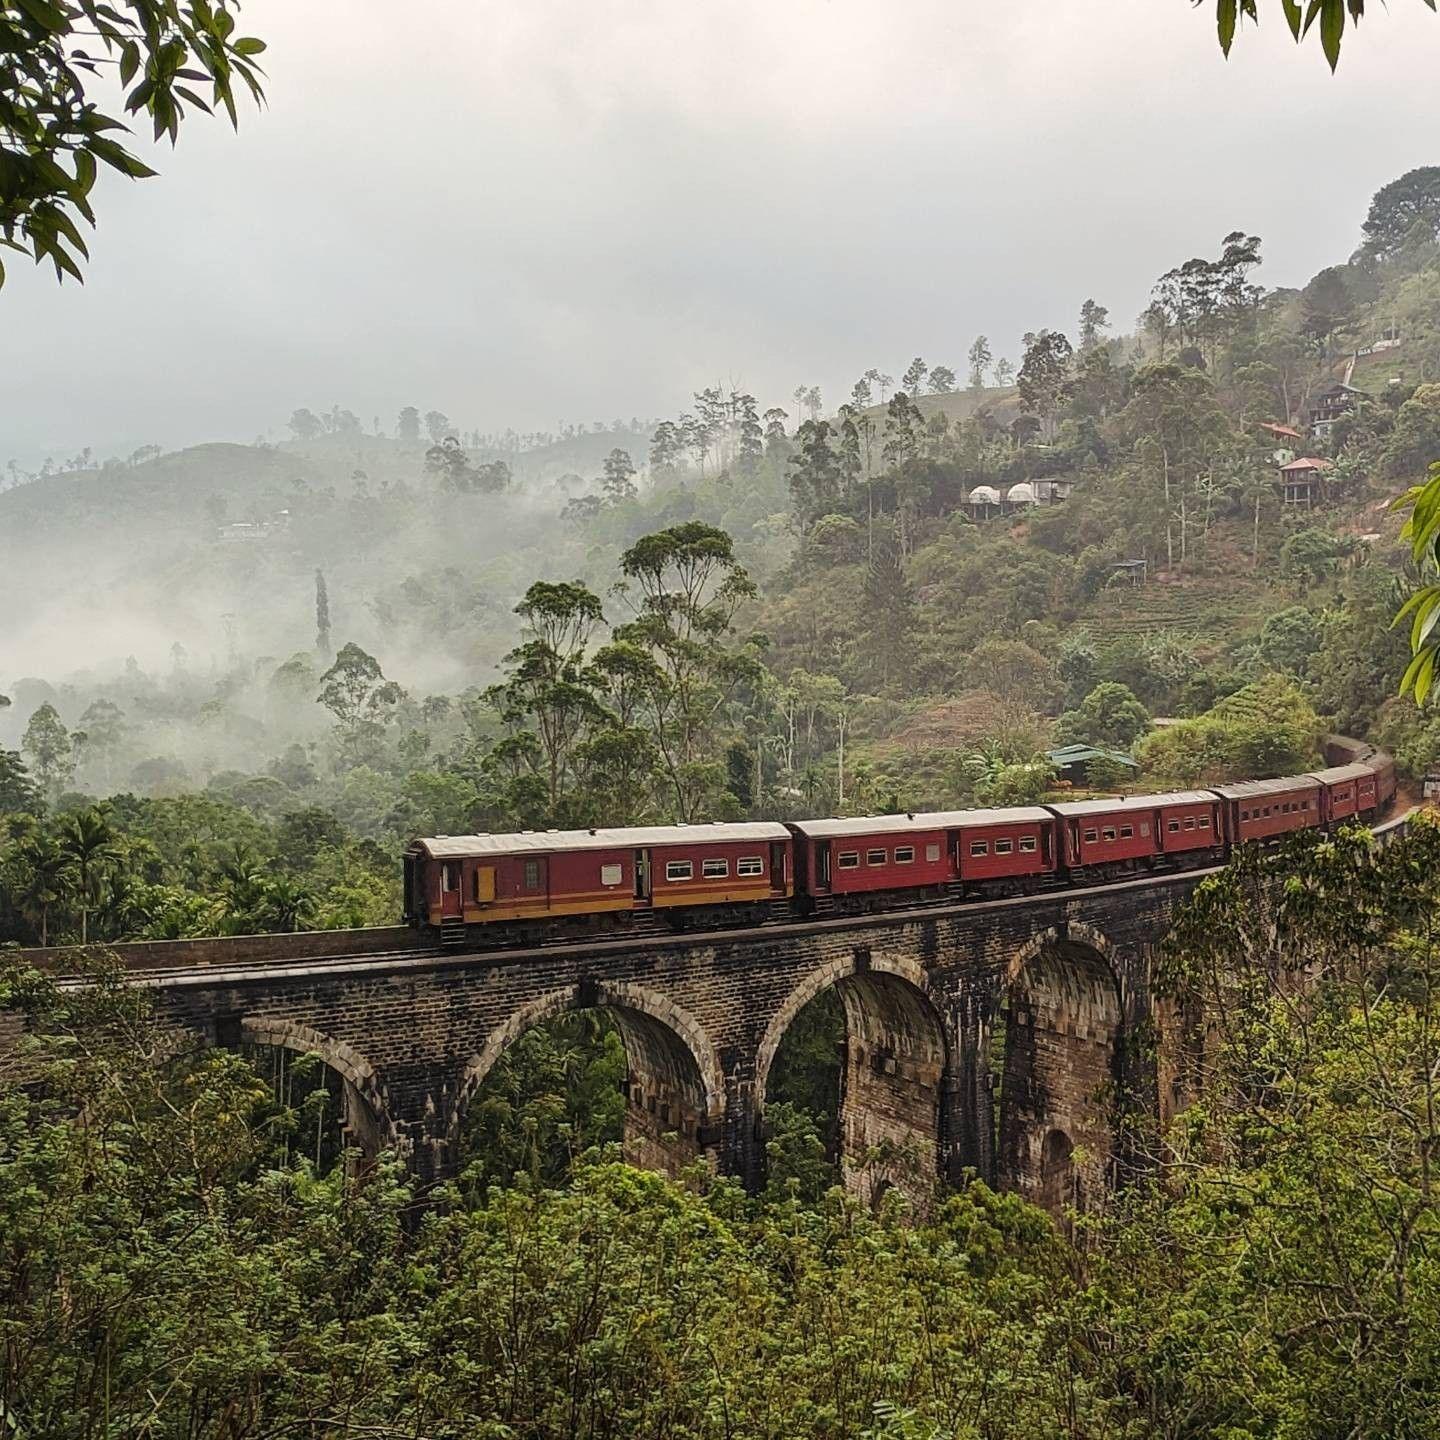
(54, 136)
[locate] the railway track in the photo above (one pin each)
(432, 957)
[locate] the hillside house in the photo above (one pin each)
(1302, 481)
(1285, 438)
(1327, 405)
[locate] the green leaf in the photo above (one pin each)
(249, 45)
(1226, 14)
(1332, 30)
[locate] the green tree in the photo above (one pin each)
(47, 743)
(1403, 208)
(407, 427)
(1044, 378)
(1275, 1277)
(1094, 320)
(322, 616)
(103, 723)
(980, 360)
(87, 839)
(619, 482)
(913, 380)
(18, 794)
(887, 629)
(687, 585)
(548, 699)
(814, 474)
(355, 691)
(1289, 639)
(1414, 443)
(942, 380)
(45, 879)
(1311, 556)
(1109, 715)
(553, 1095)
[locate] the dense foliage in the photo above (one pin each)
(177, 1262)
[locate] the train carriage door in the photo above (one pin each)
(452, 902)
(484, 884)
(643, 884)
(777, 865)
(822, 866)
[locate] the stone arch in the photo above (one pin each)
(675, 1088)
(365, 1123)
(893, 1076)
(1062, 1052)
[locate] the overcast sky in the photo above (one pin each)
(544, 210)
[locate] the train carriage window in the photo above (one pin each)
(1173, 826)
(1189, 822)
(979, 847)
(932, 852)
(904, 854)
(848, 860)
(1091, 836)
(679, 870)
(1004, 847)
(532, 874)
(1127, 832)
(750, 865)
(1108, 833)
(1203, 822)
(1027, 844)
(612, 874)
(874, 857)
(714, 869)
(449, 876)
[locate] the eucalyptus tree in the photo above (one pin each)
(684, 586)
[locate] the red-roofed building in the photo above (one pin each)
(1302, 480)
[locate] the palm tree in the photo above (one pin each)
(288, 902)
(45, 879)
(88, 839)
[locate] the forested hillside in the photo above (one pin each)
(900, 603)
(315, 649)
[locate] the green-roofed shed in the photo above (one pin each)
(1070, 761)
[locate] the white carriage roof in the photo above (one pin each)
(1119, 803)
(531, 842)
(1337, 773)
(919, 822)
(1249, 789)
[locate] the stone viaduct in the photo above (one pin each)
(991, 1037)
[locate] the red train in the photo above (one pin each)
(551, 884)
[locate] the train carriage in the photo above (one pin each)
(1263, 809)
(1105, 835)
(1018, 843)
(1346, 791)
(1189, 821)
(544, 878)
(848, 861)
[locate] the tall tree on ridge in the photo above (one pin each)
(322, 616)
(980, 360)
